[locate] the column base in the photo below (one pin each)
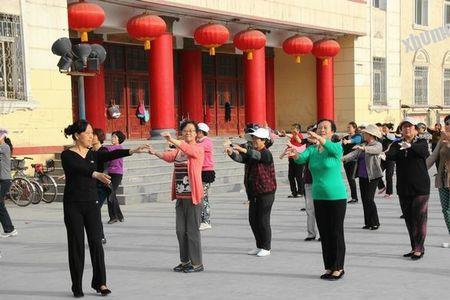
(156, 133)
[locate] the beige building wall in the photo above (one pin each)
(431, 55)
(39, 120)
(295, 90)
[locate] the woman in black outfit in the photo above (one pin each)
(260, 185)
(80, 203)
(413, 184)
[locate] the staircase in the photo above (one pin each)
(148, 179)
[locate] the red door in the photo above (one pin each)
(209, 105)
(137, 91)
(227, 123)
(115, 93)
(241, 108)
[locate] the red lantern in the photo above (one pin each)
(85, 17)
(297, 45)
(146, 27)
(325, 49)
(211, 36)
(249, 40)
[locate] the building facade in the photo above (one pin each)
(379, 74)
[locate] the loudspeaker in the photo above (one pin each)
(98, 52)
(62, 46)
(82, 51)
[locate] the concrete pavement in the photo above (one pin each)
(141, 252)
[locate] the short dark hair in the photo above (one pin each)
(378, 124)
(447, 117)
(186, 122)
(120, 135)
(333, 125)
(9, 143)
(77, 127)
(100, 134)
(390, 126)
(353, 124)
(297, 126)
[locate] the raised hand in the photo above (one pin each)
(239, 148)
(151, 151)
(358, 147)
(141, 149)
(405, 145)
(166, 135)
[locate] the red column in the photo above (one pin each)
(255, 88)
(325, 89)
(270, 92)
(162, 107)
(94, 89)
(191, 85)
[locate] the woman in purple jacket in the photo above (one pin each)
(115, 170)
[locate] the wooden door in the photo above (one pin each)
(209, 105)
(227, 95)
(115, 92)
(137, 91)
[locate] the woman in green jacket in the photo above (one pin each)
(329, 195)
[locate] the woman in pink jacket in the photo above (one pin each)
(187, 189)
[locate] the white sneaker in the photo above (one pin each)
(445, 245)
(204, 226)
(254, 251)
(263, 253)
(9, 234)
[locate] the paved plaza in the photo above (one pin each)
(141, 252)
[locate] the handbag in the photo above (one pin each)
(140, 110)
(114, 110)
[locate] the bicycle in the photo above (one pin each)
(47, 183)
(22, 191)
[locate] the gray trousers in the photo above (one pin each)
(188, 218)
(310, 215)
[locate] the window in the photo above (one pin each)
(379, 81)
(376, 3)
(421, 12)
(447, 12)
(12, 80)
(421, 85)
(447, 86)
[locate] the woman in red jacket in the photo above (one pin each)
(187, 189)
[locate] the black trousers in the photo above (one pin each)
(187, 222)
(79, 216)
(113, 203)
(295, 176)
(4, 216)
(330, 216)
(388, 167)
(368, 189)
(349, 168)
(103, 194)
(259, 217)
(415, 211)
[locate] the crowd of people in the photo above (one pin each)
(317, 161)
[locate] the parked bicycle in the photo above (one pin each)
(25, 190)
(48, 184)
(22, 191)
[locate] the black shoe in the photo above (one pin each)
(353, 201)
(78, 295)
(409, 254)
(374, 227)
(416, 257)
(192, 269)
(311, 238)
(319, 239)
(121, 220)
(112, 221)
(402, 217)
(302, 209)
(181, 267)
(103, 241)
(366, 227)
(293, 196)
(336, 277)
(325, 276)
